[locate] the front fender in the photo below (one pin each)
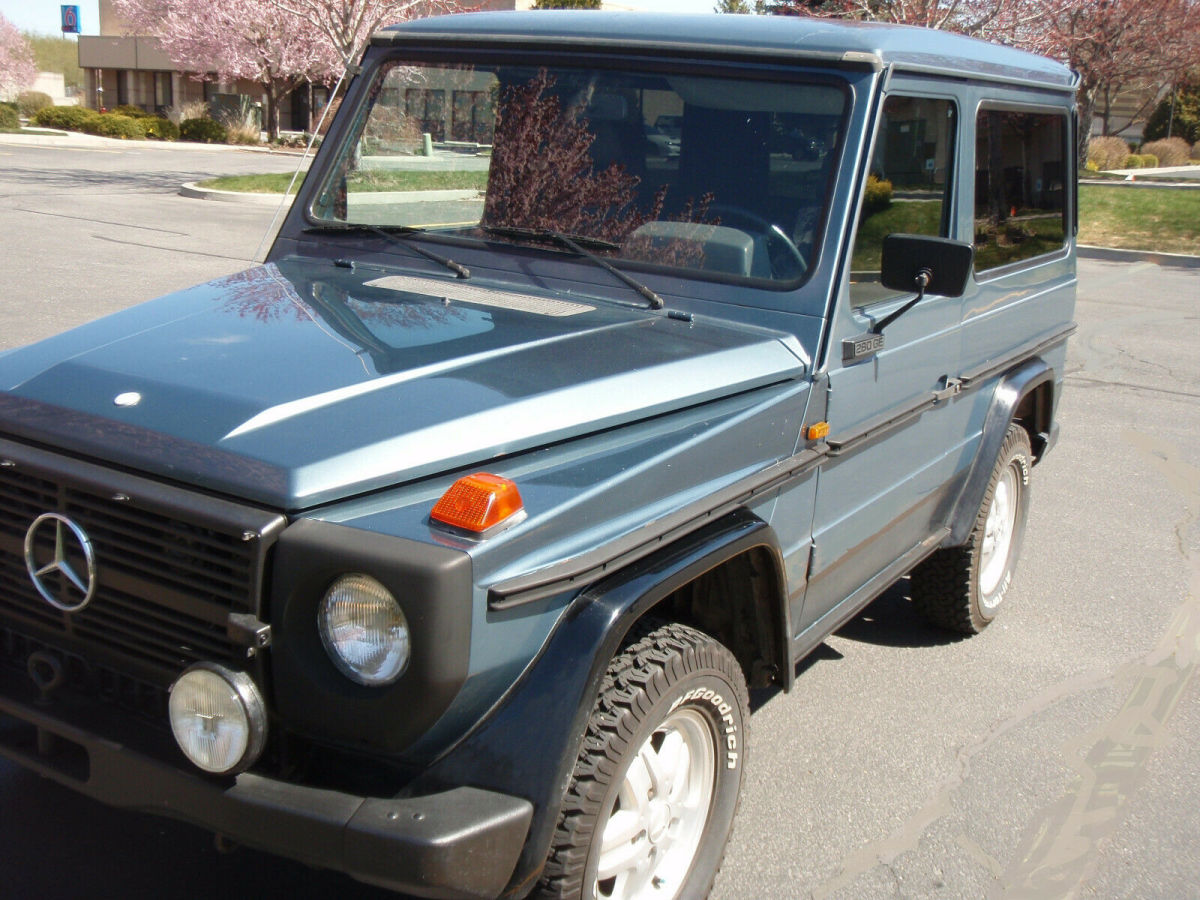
(527, 745)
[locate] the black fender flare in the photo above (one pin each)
(1014, 386)
(526, 746)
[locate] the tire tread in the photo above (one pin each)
(634, 681)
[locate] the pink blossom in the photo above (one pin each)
(17, 69)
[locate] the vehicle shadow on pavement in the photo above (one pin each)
(77, 179)
(891, 621)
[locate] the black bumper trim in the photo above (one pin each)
(461, 843)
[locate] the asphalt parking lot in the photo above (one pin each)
(1054, 755)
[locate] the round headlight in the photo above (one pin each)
(218, 717)
(364, 630)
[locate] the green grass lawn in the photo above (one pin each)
(1130, 218)
(359, 181)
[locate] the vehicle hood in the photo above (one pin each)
(299, 383)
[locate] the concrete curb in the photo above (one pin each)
(1112, 254)
(383, 198)
(1163, 185)
(95, 142)
(195, 192)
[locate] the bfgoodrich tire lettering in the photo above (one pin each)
(652, 799)
(963, 588)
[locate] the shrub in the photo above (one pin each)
(1183, 120)
(1173, 151)
(160, 129)
(203, 130)
(10, 119)
(68, 118)
(1147, 161)
(115, 125)
(1196, 150)
(1091, 166)
(29, 102)
(193, 109)
(878, 195)
(1107, 152)
(242, 129)
(134, 112)
(1132, 161)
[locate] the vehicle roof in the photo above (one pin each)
(901, 46)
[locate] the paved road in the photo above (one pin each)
(1055, 755)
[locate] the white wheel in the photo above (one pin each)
(655, 824)
(962, 588)
(651, 802)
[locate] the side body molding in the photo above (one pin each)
(1012, 389)
(540, 722)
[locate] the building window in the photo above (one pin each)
(429, 109)
(1020, 169)
(163, 94)
(472, 117)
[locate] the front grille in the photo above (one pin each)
(171, 565)
(84, 678)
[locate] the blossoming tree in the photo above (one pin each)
(17, 70)
(250, 39)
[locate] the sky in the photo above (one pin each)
(43, 16)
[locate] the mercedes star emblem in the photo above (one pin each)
(74, 560)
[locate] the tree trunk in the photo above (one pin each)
(1087, 111)
(272, 123)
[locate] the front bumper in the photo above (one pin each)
(462, 843)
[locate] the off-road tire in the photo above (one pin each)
(672, 675)
(963, 588)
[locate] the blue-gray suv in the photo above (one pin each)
(443, 548)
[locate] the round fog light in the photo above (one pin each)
(218, 718)
(364, 630)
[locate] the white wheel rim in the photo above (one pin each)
(650, 835)
(998, 536)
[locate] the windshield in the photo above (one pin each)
(727, 178)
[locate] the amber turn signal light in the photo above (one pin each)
(818, 430)
(478, 502)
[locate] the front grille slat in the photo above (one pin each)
(171, 566)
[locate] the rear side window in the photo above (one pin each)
(1020, 169)
(908, 186)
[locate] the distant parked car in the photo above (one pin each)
(661, 143)
(670, 125)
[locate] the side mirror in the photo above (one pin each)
(947, 264)
(913, 262)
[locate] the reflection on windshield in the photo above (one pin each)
(724, 177)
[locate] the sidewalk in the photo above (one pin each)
(1186, 173)
(51, 138)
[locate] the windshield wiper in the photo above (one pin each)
(575, 243)
(393, 233)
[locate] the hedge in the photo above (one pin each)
(68, 118)
(204, 130)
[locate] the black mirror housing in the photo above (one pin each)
(947, 263)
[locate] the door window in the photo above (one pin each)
(908, 185)
(1020, 169)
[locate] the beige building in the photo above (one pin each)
(122, 68)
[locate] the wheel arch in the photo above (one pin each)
(1025, 395)
(527, 745)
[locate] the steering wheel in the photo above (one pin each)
(787, 261)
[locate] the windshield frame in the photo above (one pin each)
(803, 74)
